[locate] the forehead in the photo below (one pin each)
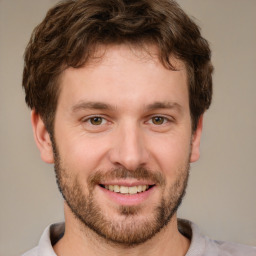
(122, 73)
(144, 53)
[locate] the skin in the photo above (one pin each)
(130, 82)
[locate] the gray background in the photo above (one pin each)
(221, 193)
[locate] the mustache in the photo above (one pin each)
(99, 176)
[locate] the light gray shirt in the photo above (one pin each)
(200, 245)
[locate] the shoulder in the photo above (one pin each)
(234, 249)
(204, 246)
(49, 237)
(32, 252)
(222, 248)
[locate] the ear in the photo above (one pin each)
(195, 144)
(42, 138)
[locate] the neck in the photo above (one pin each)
(79, 240)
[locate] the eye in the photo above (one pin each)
(96, 120)
(96, 123)
(158, 120)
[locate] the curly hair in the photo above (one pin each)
(71, 31)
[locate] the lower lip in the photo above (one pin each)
(128, 199)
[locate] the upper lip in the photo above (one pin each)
(127, 183)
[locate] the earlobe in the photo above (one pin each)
(42, 138)
(195, 144)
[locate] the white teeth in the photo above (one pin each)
(127, 190)
(133, 190)
(116, 188)
(124, 190)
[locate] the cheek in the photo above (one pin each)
(82, 154)
(171, 154)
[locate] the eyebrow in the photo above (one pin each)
(91, 105)
(104, 106)
(164, 105)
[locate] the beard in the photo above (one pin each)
(129, 229)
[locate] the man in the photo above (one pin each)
(118, 90)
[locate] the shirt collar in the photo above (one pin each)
(53, 233)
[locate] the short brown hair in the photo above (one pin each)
(71, 30)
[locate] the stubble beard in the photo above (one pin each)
(132, 230)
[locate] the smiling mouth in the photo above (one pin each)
(127, 190)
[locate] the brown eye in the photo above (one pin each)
(97, 120)
(158, 120)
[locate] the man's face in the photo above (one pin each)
(123, 143)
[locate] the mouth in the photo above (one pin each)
(127, 193)
(127, 190)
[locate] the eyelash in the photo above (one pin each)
(150, 120)
(164, 119)
(89, 120)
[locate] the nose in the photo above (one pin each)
(128, 148)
